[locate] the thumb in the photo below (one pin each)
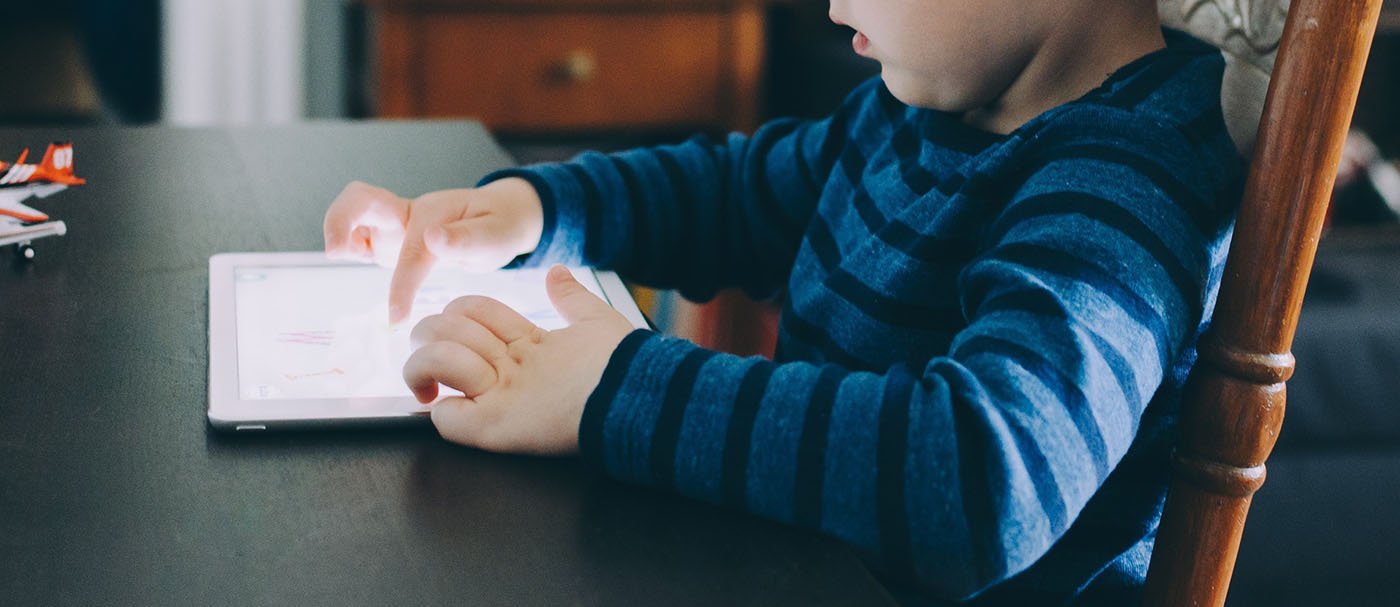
(573, 301)
(451, 240)
(477, 243)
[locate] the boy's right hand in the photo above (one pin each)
(482, 228)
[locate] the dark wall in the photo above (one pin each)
(122, 42)
(1378, 106)
(811, 65)
(76, 61)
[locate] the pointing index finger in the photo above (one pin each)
(415, 262)
(415, 259)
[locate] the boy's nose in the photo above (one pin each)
(834, 13)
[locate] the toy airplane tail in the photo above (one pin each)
(55, 168)
(57, 165)
(20, 181)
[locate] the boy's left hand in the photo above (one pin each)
(524, 387)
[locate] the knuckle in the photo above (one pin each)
(351, 189)
(353, 195)
(427, 330)
(471, 306)
(426, 362)
(431, 198)
(504, 379)
(437, 354)
(335, 225)
(519, 349)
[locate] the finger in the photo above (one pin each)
(498, 318)
(450, 364)
(459, 329)
(415, 260)
(360, 245)
(338, 224)
(414, 264)
(573, 301)
(357, 206)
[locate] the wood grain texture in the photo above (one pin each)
(393, 63)
(1234, 403)
(576, 66)
(556, 5)
(511, 71)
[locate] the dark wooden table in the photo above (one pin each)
(114, 491)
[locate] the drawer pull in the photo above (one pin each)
(578, 67)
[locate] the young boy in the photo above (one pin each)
(996, 258)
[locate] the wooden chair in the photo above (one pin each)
(1315, 52)
(1234, 404)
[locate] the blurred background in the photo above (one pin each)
(553, 77)
(548, 77)
(543, 74)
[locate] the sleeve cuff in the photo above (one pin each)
(595, 409)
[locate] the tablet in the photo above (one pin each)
(299, 341)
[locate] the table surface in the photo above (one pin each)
(113, 490)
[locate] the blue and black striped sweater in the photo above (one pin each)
(983, 340)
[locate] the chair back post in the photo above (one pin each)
(1233, 406)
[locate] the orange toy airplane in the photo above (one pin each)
(20, 224)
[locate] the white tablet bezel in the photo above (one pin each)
(229, 411)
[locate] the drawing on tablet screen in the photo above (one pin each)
(335, 371)
(310, 338)
(323, 332)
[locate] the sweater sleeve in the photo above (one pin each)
(957, 472)
(699, 216)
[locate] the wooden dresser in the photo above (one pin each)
(568, 66)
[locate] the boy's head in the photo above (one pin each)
(968, 55)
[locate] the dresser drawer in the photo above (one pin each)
(553, 71)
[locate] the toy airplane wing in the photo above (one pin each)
(10, 206)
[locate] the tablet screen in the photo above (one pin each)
(323, 331)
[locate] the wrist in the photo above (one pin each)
(546, 250)
(524, 204)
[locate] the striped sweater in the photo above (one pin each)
(983, 338)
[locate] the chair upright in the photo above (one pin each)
(1234, 403)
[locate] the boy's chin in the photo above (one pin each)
(913, 91)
